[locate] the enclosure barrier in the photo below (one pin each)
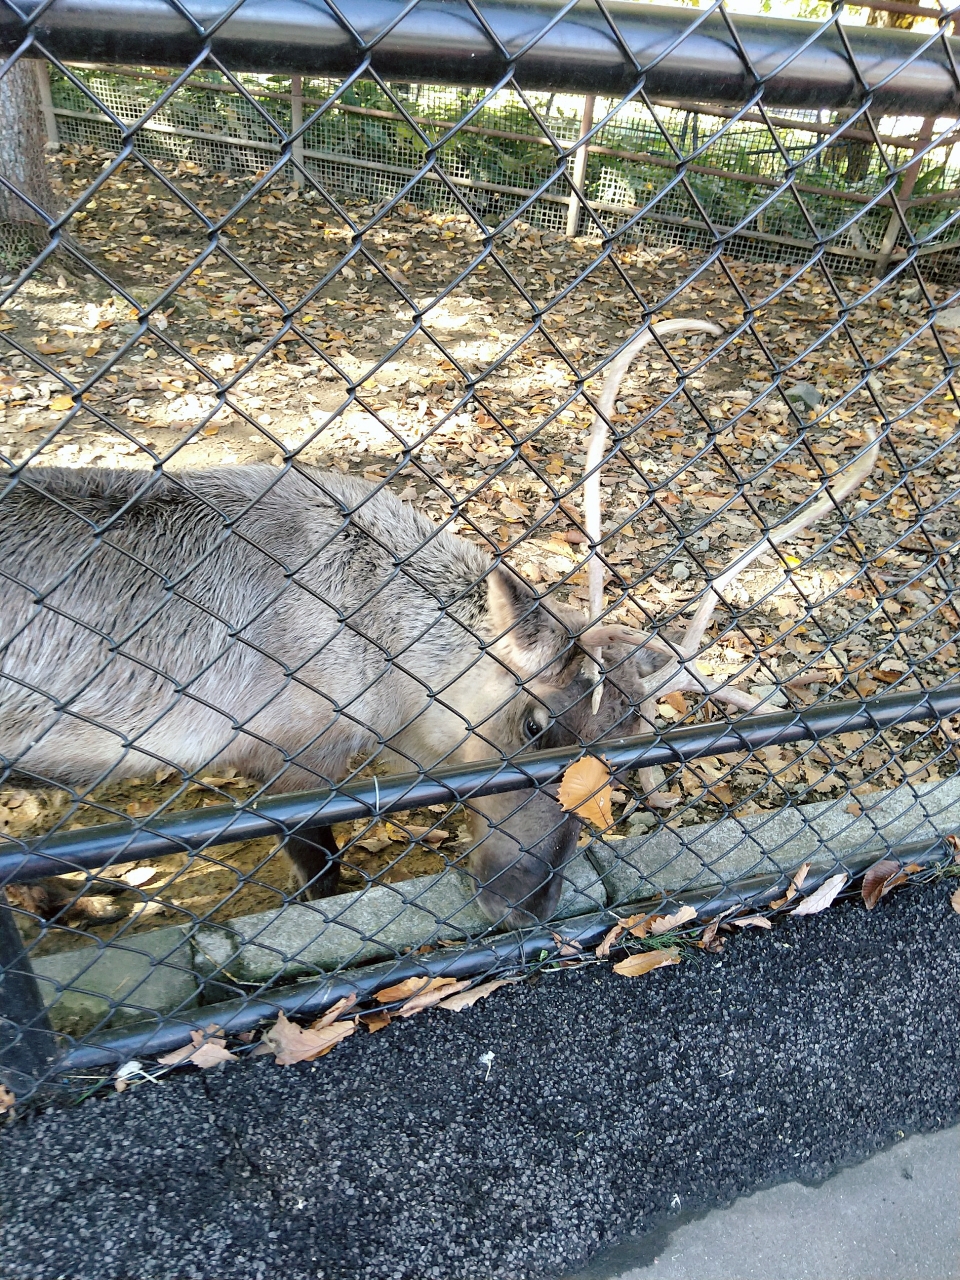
(306, 243)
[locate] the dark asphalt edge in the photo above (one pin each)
(840, 1027)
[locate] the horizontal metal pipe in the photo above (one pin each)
(90, 847)
(303, 999)
(679, 52)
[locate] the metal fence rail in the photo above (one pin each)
(361, 536)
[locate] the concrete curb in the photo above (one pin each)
(162, 970)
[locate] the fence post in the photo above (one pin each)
(46, 105)
(901, 198)
(27, 1044)
(580, 167)
(296, 121)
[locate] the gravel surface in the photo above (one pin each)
(610, 1104)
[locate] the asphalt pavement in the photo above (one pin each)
(611, 1113)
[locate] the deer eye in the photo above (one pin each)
(532, 728)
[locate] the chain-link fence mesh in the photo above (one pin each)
(329, 542)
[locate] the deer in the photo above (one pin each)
(296, 624)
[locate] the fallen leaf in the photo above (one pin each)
(7, 1099)
(955, 900)
(290, 1043)
(205, 1050)
(637, 926)
(663, 924)
(60, 404)
(565, 947)
(709, 940)
(879, 879)
(50, 348)
(334, 1012)
(375, 844)
(585, 789)
(401, 990)
(644, 961)
(467, 999)
(797, 880)
(757, 922)
(423, 835)
(436, 990)
(603, 950)
(677, 701)
(376, 1021)
(821, 899)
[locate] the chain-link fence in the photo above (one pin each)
(441, 521)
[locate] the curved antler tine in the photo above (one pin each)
(604, 633)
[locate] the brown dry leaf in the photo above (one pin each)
(401, 990)
(955, 900)
(7, 1099)
(603, 950)
(566, 947)
(585, 789)
(822, 897)
(913, 868)
(60, 404)
(334, 1012)
(677, 701)
(663, 924)
(953, 842)
(374, 844)
(205, 1050)
(756, 922)
(290, 1043)
(467, 999)
(377, 1020)
(637, 926)
(437, 989)
(425, 835)
(879, 879)
(644, 961)
(794, 886)
(709, 940)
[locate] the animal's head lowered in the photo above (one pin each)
(523, 839)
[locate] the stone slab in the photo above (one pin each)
(701, 856)
(123, 981)
(371, 924)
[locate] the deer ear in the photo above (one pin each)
(522, 632)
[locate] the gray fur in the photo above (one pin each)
(285, 624)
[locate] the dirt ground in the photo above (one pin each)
(357, 384)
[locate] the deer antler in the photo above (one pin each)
(596, 449)
(680, 675)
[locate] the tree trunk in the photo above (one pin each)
(22, 143)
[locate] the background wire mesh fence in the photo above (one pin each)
(220, 280)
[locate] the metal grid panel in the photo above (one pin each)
(203, 669)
